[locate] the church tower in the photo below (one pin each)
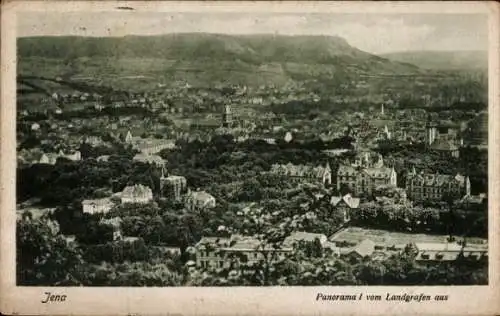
(430, 135)
(227, 117)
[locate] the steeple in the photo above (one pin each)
(327, 167)
(382, 110)
(227, 119)
(387, 133)
(163, 172)
(128, 138)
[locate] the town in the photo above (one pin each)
(380, 181)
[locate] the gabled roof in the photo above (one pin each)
(214, 241)
(155, 159)
(347, 199)
(137, 190)
(437, 179)
(300, 170)
(303, 236)
(378, 173)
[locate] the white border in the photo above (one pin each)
(475, 300)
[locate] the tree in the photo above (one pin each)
(44, 257)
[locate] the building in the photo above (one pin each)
(97, 205)
(137, 193)
(296, 238)
(304, 173)
(173, 186)
(363, 180)
(228, 252)
(51, 158)
(345, 204)
(103, 158)
(227, 117)
(335, 152)
(362, 250)
(150, 159)
(425, 186)
(367, 159)
(148, 146)
(93, 140)
(387, 134)
(199, 200)
(431, 133)
(445, 148)
(474, 202)
(437, 253)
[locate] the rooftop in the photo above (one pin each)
(303, 236)
(102, 201)
(347, 199)
(136, 189)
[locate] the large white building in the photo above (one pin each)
(97, 205)
(304, 173)
(137, 193)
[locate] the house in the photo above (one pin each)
(48, 158)
(367, 159)
(476, 202)
(334, 152)
(445, 148)
(137, 193)
(149, 159)
(226, 252)
(345, 204)
(199, 200)
(75, 156)
(298, 237)
(97, 205)
(151, 146)
(104, 158)
(148, 146)
(51, 158)
(364, 180)
(437, 253)
(362, 250)
(425, 186)
(304, 173)
(93, 140)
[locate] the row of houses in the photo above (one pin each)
(228, 252)
(51, 158)
(365, 174)
(148, 146)
(137, 194)
(140, 194)
(303, 172)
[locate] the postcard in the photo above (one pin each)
(268, 158)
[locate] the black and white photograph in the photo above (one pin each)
(206, 149)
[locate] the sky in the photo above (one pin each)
(374, 33)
